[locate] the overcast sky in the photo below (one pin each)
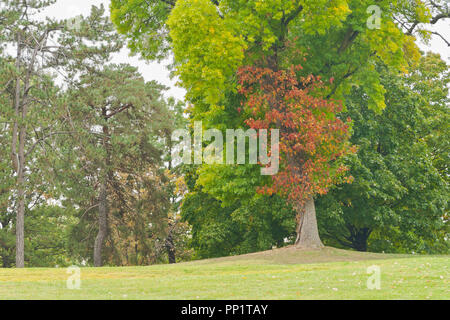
(154, 71)
(151, 71)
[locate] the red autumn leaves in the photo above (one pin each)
(313, 139)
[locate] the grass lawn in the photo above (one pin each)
(286, 273)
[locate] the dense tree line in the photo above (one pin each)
(398, 200)
(349, 54)
(85, 180)
(86, 174)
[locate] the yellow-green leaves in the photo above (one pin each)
(207, 49)
(143, 22)
(370, 82)
(321, 15)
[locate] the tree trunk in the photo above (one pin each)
(20, 216)
(18, 160)
(103, 200)
(307, 231)
(20, 224)
(170, 247)
(359, 239)
(360, 245)
(102, 226)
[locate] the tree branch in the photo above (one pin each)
(121, 109)
(293, 15)
(440, 36)
(44, 138)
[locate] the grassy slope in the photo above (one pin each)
(276, 274)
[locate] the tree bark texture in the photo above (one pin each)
(307, 231)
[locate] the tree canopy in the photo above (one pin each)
(355, 114)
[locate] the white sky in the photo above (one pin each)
(153, 71)
(64, 9)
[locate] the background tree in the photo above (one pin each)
(42, 49)
(77, 132)
(144, 23)
(117, 122)
(177, 240)
(398, 200)
(6, 173)
(47, 231)
(32, 94)
(240, 226)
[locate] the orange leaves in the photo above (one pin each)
(312, 138)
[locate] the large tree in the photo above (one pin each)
(32, 94)
(37, 51)
(113, 160)
(399, 197)
(340, 39)
(313, 139)
(6, 172)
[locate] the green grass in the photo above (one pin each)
(277, 274)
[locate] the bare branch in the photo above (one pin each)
(439, 35)
(121, 109)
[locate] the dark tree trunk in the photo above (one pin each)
(102, 226)
(360, 245)
(359, 239)
(103, 198)
(170, 247)
(307, 231)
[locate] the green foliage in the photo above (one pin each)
(47, 234)
(143, 22)
(207, 48)
(116, 122)
(237, 228)
(398, 201)
(47, 237)
(334, 38)
(211, 39)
